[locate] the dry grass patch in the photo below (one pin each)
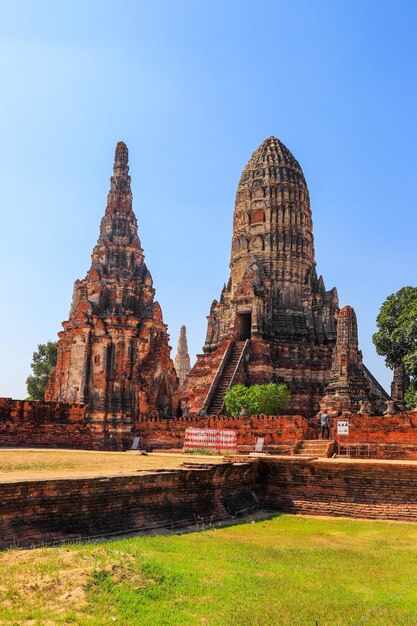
(31, 464)
(54, 585)
(52, 578)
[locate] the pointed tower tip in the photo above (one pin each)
(121, 154)
(347, 311)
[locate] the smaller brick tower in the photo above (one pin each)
(182, 358)
(348, 386)
(399, 385)
(113, 353)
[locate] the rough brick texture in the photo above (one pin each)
(113, 352)
(276, 430)
(58, 510)
(44, 511)
(274, 298)
(399, 428)
(373, 490)
(44, 424)
(57, 424)
(348, 387)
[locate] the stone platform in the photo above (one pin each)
(33, 512)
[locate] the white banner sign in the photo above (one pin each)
(211, 438)
(342, 427)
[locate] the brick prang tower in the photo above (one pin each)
(182, 358)
(274, 303)
(348, 385)
(113, 353)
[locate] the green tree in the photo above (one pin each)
(396, 338)
(411, 396)
(271, 399)
(43, 364)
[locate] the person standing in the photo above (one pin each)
(324, 423)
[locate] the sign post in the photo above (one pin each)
(342, 430)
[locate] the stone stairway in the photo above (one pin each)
(312, 447)
(217, 401)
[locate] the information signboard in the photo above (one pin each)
(342, 427)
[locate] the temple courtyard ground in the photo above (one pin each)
(23, 464)
(18, 464)
(289, 570)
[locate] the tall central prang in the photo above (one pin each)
(274, 320)
(273, 291)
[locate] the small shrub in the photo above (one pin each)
(271, 399)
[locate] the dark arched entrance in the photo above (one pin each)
(163, 400)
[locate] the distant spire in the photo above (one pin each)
(182, 358)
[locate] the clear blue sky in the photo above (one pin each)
(193, 88)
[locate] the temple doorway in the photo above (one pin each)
(163, 400)
(244, 325)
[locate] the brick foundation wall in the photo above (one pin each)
(52, 424)
(169, 433)
(44, 424)
(369, 490)
(43, 511)
(63, 510)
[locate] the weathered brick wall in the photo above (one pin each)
(399, 428)
(55, 424)
(399, 451)
(44, 511)
(169, 433)
(44, 424)
(55, 510)
(388, 437)
(373, 490)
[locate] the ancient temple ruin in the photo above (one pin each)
(182, 358)
(275, 320)
(348, 388)
(399, 385)
(113, 353)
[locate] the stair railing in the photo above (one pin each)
(216, 378)
(238, 364)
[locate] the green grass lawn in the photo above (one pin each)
(286, 570)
